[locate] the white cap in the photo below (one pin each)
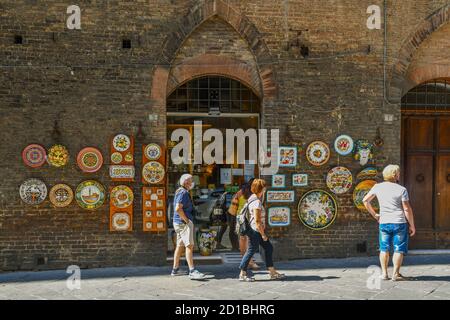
(184, 178)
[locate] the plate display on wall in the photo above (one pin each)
(116, 158)
(121, 221)
(152, 151)
(90, 195)
(57, 155)
(369, 173)
(33, 191)
(34, 155)
(279, 216)
(360, 192)
(339, 180)
(153, 172)
(122, 196)
(317, 209)
(121, 142)
(343, 145)
(287, 156)
(318, 153)
(61, 195)
(90, 159)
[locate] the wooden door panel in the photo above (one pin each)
(420, 134)
(443, 192)
(444, 133)
(419, 183)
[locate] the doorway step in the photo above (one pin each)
(429, 252)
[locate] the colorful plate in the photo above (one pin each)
(360, 192)
(369, 173)
(122, 196)
(120, 221)
(318, 153)
(90, 159)
(121, 142)
(317, 209)
(152, 151)
(33, 191)
(116, 157)
(61, 195)
(153, 172)
(339, 180)
(34, 155)
(58, 156)
(343, 145)
(90, 195)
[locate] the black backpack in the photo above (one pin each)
(243, 220)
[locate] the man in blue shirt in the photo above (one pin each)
(184, 227)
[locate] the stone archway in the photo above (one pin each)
(399, 83)
(264, 85)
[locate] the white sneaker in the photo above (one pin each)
(196, 275)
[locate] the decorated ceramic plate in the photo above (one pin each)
(317, 209)
(369, 173)
(360, 192)
(33, 191)
(58, 155)
(34, 155)
(343, 145)
(152, 151)
(318, 153)
(122, 196)
(120, 221)
(153, 172)
(116, 157)
(90, 195)
(90, 159)
(61, 195)
(129, 157)
(121, 142)
(339, 180)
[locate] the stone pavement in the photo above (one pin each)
(307, 279)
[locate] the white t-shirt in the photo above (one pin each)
(390, 196)
(256, 204)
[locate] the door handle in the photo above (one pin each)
(420, 178)
(438, 194)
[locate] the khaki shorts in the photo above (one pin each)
(185, 233)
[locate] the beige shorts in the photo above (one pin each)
(185, 234)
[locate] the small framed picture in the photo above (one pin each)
(280, 196)
(153, 197)
(148, 191)
(160, 192)
(287, 156)
(148, 203)
(160, 225)
(159, 203)
(300, 180)
(159, 213)
(279, 216)
(278, 181)
(148, 214)
(148, 225)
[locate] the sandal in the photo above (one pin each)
(398, 277)
(246, 278)
(384, 277)
(277, 276)
(254, 266)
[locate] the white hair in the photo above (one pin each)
(184, 178)
(390, 172)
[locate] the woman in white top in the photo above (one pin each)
(257, 233)
(396, 220)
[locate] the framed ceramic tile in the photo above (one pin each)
(280, 196)
(287, 156)
(300, 180)
(279, 216)
(278, 181)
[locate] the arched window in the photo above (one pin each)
(432, 96)
(213, 94)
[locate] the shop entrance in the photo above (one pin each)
(219, 103)
(426, 161)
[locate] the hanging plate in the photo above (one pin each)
(317, 209)
(90, 195)
(369, 173)
(61, 195)
(153, 172)
(121, 142)
(152, 151)
(318, 153)
(360, 192)
(121, 221)
(116, 158)
(90, 159)
(343, 145)
(33, 191)
(122, 196)
(339, 180)
(34, 155)
(58, 155)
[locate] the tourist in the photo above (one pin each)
(395, 215)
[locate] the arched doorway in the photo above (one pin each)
(426, 160)
(220, 103)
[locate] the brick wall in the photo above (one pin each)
(94, 88)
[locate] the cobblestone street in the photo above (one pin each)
(307, 279)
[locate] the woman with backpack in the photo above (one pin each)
(256, 233)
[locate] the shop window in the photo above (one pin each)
(431, 96)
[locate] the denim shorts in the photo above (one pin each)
(395, 234)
